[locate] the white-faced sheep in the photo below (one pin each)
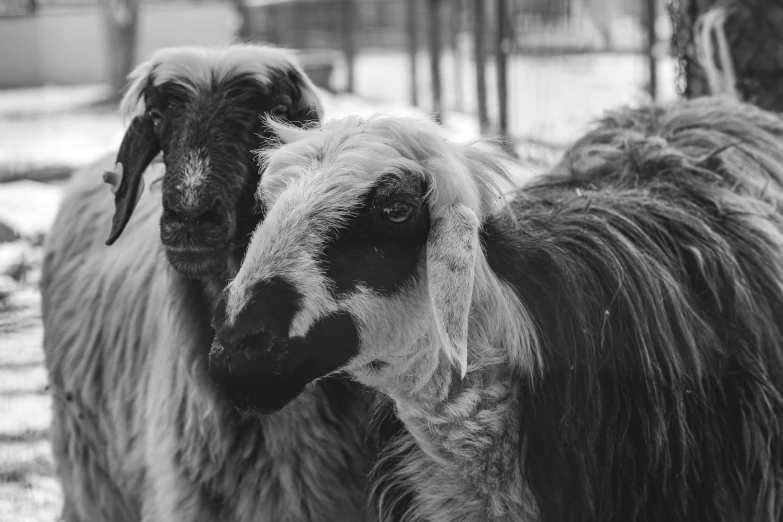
(140, 431)
(606, 347)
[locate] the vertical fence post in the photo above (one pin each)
(502, 47)
(413, 46)
(456, 15)
(435, 56)
(349, 39)
(652, 41)
(481, 77)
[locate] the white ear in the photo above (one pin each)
(452, 246)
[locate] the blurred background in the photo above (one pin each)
(535, 72)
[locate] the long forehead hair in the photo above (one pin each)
(190, 67)
(355, 152)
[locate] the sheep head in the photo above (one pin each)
(203, 108)
(365, 261)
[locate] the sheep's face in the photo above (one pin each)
(354, 268)
(207, 135)
(205, 118)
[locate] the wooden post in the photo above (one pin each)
(245, 30)
(652, 40)
(481, 78)
(349, 40)
(121, 22)
(413, 46)
(435, 56)
(501, 54)
(457, 17)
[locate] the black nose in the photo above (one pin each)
(246, 361)
(271, 306)
(254, 347)
(202, 214)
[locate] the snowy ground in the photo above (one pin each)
(29, 491)
(45, 133)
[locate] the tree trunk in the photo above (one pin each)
(349, 37)
(245, 30)
(435, 59)
(121, 21)
(502, 49)
(754, 31)
(413, 49)
(691, 79)
(480, 57)
(650, 15)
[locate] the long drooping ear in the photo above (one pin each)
(139, 147)
(307, 103)
(452, 247)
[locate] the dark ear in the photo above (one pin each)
(306, 99)
(139, 146)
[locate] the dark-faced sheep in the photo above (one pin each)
(139, 430)
(608, 346)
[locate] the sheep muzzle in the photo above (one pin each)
(262, 372)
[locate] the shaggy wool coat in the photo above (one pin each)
(605, 347)
(138, 431)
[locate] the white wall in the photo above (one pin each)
(18, 53)
(68, 46)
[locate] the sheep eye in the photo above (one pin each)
(156, 116)
(397, 212)
(279, 111)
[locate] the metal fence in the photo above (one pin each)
(535, 70)
(553, 67)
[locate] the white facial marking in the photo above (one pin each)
(194, 172)
(317, 179)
